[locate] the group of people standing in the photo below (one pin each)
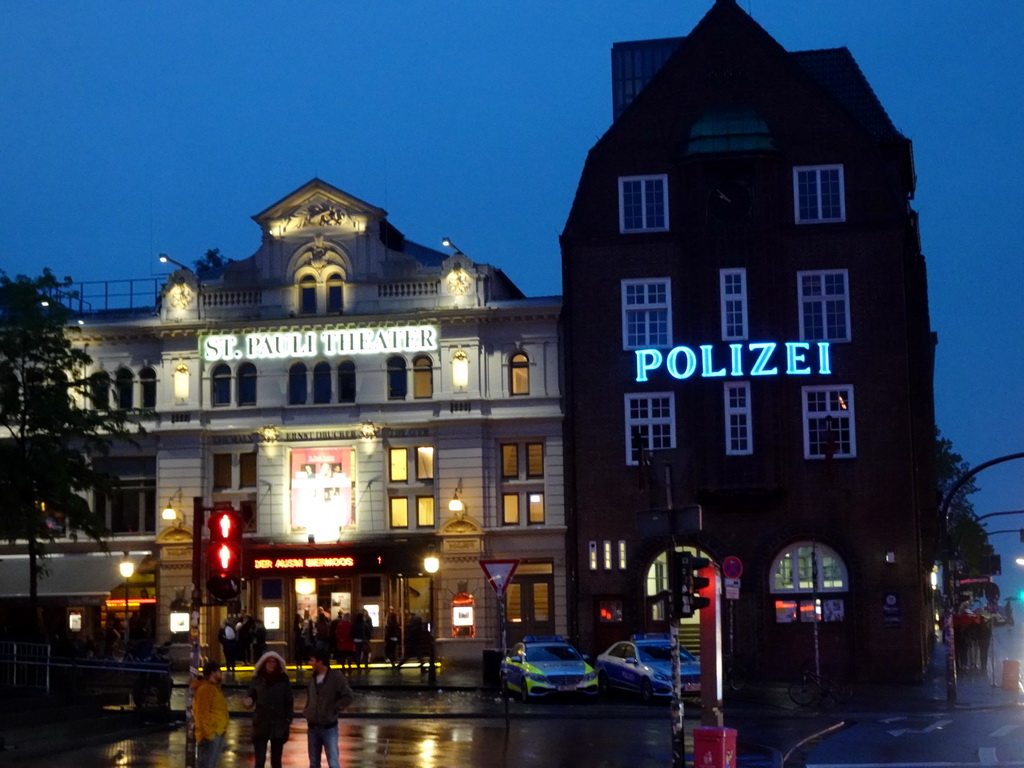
(348, 637)
(242, 640)
(271, 700)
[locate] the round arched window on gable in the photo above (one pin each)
(307, 295)
(804, 578)
(519, 374)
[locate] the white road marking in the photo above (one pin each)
(1006, 730)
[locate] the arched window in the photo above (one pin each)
(124, 385)
(297, 384)
(322, 383)
(307, 295)
(422, 377)
(99, 388)
(247, 384)
(335, 296)
(519, 374)
(220, 385)
(346, 381)
(800, 565)
(147, 380)
(398, 383)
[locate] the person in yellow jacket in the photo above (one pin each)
(211, 716)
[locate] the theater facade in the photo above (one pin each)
(362, 401)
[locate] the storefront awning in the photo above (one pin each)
(87, 575)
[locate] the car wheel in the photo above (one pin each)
(602, 684)
(646, 691)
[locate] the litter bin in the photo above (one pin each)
(492, 665)
(1011, 675)
(714, 747)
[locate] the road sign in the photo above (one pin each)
(499, 573)
(732, 589)
(732, 567)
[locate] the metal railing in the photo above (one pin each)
(25, 665)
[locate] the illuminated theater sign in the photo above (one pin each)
(302, 563)
(326, 343)
(762, 358)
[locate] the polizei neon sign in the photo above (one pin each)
(762, 358)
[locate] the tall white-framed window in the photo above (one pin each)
(647, 313)
(643, 203)
(824, 297)
(733, 288)
(818, 194)
(650, 424)
(829, 424)
(739, 435)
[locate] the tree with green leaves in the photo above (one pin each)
(212, 259)
(969, 537)
(55, 418)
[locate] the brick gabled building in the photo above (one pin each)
(747, 330)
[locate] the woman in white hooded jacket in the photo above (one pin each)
(271, 700)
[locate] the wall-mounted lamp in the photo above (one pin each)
(368, 430)
(456, 505)
(460, 370)
(447, 243)
(165, 259)
(169, 512)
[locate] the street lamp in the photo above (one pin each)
(431, 564)
(165, 259)
(127, 568)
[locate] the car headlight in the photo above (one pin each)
(590, 677)
(662, 678)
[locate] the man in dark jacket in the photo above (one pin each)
(328, 694)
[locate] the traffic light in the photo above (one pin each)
(689, 583)
(224, 555)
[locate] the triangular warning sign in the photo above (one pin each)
(499, 573)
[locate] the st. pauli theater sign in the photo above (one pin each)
(330, 342)
(762, 358)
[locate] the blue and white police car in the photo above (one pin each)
(643, 665)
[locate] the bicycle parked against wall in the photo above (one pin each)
(815, 688)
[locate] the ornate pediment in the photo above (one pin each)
(318, 206)
(461, 526)
(175, 535)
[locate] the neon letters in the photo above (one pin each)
(330, 342)
(761, 358)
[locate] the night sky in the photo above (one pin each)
(129, 129)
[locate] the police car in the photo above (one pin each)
(543, 665)
(643, 665)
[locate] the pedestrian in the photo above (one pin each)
(228, 638)
(327, 695)
(259, 639)
(362, 629)
(211, 715)
(270, 698)
(414, 641)
(344, 647)
(392, 631)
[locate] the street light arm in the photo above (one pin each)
(996, 514)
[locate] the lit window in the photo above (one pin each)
(733, 286)
(398, 508)
(592, 559)
(818, 195)
(535, 508)
(829, 427)
(422, 377)
(801, 571)
(425, 511)
(643, 203)
(607, 555)
(622, 554)
(519, 374)
(425, 463)
(510, 508)
(738, 435)
(824, 305)
(398, 465)
(646, 313)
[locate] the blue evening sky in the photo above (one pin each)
(132, 128)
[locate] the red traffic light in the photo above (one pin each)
(225, 525)
(224, 555)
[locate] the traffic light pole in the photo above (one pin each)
(676, 580)
(198, 514)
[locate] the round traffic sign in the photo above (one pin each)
(732, 567)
